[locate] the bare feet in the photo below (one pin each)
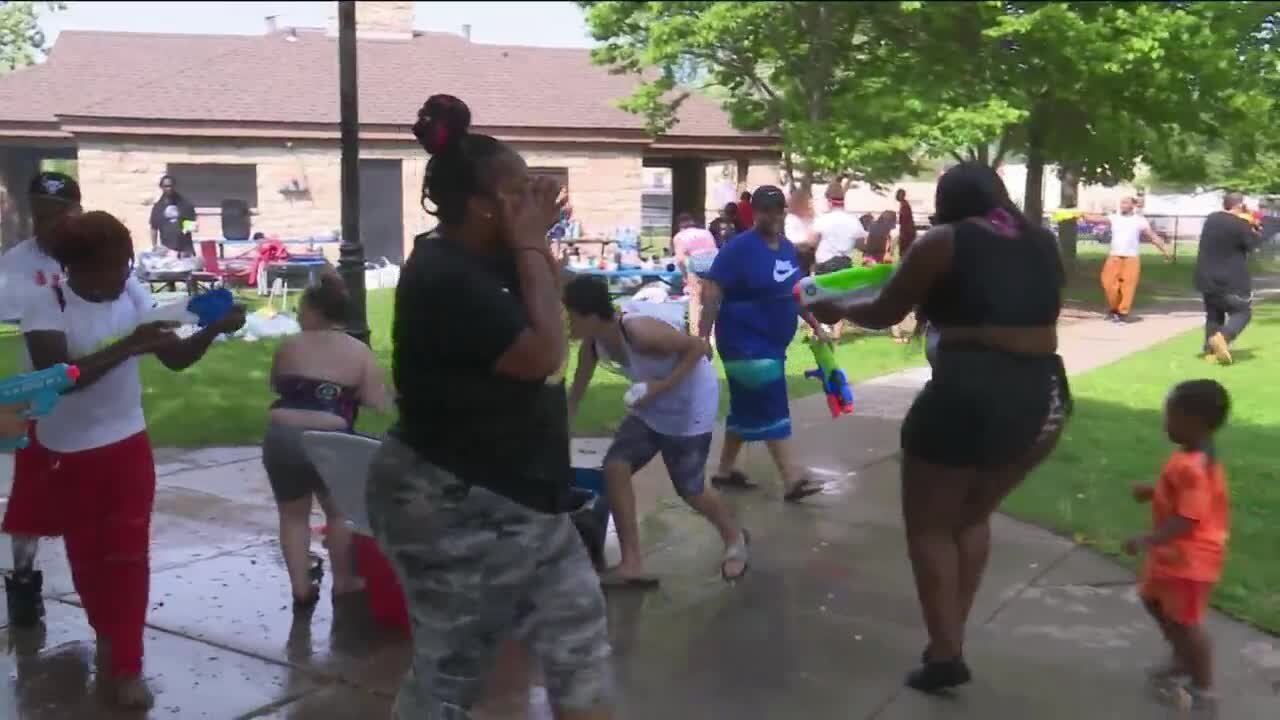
(132, 693)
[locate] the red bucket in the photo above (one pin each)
(386, 600)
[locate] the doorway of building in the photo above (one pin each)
(382, 210)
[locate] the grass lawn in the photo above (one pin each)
(1116, 439)
(223, 399)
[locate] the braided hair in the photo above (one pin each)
(461, 164)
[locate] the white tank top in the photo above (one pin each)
(686, 410)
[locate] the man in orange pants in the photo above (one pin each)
(1124, 263)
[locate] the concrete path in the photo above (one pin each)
(823, 627)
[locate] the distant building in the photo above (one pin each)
(255, 119)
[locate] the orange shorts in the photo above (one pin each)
(1178, 599)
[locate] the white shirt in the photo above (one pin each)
(796, 229)
(838, 231)
(23, 269)
(1126, 234)
(110, 409)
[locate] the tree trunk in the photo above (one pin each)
(1070, 176)
(1033, 198)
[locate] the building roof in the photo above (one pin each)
(284, 78)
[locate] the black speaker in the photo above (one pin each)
(236, 223)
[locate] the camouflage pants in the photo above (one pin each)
(478, 568)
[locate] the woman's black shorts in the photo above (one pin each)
(985, 408)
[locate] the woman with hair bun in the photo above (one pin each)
(322, 375)
(96, 436)
(469, 496)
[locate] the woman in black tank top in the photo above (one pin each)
(990, 282)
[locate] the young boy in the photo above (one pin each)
(1186, 547)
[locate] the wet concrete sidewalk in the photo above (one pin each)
(823, 627)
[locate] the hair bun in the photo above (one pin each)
(442, 123)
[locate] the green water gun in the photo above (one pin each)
(834, 383)
(843, 286)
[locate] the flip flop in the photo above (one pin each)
(611, 580)
(735, 480)
(737, 552)
(802, 490)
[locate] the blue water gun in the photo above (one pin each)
(834, 382)
(39, 391)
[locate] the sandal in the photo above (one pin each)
(739, 551)
(316, 574)
(613, 580)
(802, 489)
(735, 480)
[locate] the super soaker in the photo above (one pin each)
(843, 286)
(834, 383)
(39, 391)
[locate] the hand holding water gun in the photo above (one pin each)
(843, 287)
(834, 383)
(31, 395)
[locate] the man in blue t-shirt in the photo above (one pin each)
(748, 297)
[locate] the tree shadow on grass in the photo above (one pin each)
(1084, 491)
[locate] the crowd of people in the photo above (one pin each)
(470, 497)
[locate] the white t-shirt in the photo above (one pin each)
(838, 231)
(23, 269)
(110, 409)
(1126, 234)
(796, 229)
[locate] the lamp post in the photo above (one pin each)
(351, 251)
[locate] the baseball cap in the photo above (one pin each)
(768, 197)
(55, 186)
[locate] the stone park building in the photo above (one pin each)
(255, 118)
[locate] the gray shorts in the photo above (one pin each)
(685, 457)
(477, 569)
(289, 470)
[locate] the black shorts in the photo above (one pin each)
(289, 470)
(985, 408)
(837, 263)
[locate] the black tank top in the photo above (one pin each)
(997, 280)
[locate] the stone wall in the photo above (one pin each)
(123, 177)
(382, 17)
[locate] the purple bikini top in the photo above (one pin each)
(304, 393)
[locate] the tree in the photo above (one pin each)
(20, 34)
(815, 73)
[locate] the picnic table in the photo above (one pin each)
(309, 242)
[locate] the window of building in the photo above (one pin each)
(206, 185)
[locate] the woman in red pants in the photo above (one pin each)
(99, 455)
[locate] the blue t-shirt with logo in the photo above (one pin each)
(759, 308)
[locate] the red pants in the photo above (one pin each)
(107, 494)
(34, 506)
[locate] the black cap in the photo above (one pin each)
(55, 186)
(768, 197)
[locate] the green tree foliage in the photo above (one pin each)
(817, 74)
(20, 35)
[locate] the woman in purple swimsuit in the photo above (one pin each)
(322, 375)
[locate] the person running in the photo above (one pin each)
(31, 512)
(673, 415)
(470, 495)
(838, 233)
(1222, 276)
(991, 282)
(96, 437)
(1123, 265)
(322, 375)
(1185, 549)
(747, 296)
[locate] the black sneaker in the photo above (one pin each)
(1111, 316)
(936, 676)
(23, 590)
(1121, 319)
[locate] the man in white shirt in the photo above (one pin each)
(1124, 263)
(30, 513)
(838, 232)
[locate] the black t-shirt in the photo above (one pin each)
(1222, 262)
(167, 216)
(455, 315)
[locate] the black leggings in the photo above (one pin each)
(1226, 313)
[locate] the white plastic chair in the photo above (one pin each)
(343, 460)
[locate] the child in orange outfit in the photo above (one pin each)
(1185, 550)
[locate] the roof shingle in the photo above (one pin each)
(269, 78)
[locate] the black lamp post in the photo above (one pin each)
(351, 251)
